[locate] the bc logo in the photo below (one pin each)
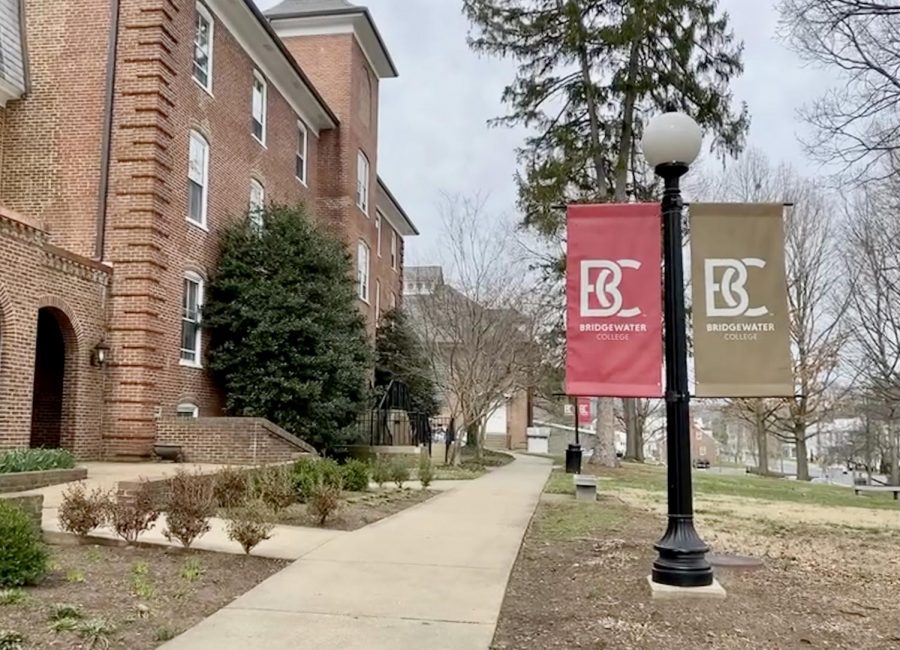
(600, 279)
(731, 287)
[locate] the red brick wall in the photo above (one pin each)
(242, 441)
(74, 290)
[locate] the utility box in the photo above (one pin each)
(585, 487)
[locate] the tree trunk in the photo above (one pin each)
(762, 443)
(605, 440)
(802, 457)
(895, 453)
(629, 415)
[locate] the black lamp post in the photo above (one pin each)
(671, 143)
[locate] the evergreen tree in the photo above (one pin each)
(590, 73)
(399, 356)
(287, 340)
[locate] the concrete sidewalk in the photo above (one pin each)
(432, 576)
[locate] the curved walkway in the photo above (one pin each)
(432, 576)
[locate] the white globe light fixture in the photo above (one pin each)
(671, 138)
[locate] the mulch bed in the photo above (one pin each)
(820, 587)
(359, 509)
(147, 594)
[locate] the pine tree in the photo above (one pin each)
(590, 73)
(399, 356)
(287, 340)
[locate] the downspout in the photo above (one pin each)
(106, 152)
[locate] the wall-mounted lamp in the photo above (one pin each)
(100, 354)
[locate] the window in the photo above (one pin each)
(187, 410)
(378, 233)
(258, 121)
(377, 301)
(302, 147)
(257, 203)
(703, 451)
(393, 250)
(362, 271)
(203, 48)
(198, 175)
(190, 320)
(393, 300)
(362, 182)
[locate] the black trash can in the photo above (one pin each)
(573, 459)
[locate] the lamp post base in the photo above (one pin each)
(682, 556)
(667, 592)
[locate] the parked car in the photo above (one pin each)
(701, 463)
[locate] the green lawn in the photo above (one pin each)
(653, 478)
(571, 520)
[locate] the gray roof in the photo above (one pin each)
(429, 274)
(300, 7)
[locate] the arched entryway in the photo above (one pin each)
(52, 378)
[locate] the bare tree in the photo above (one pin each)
(856, 122)
(758, 415)
(480, 329)
(873, 263)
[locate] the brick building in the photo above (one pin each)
(131, 132)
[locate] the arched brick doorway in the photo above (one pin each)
(53, 379)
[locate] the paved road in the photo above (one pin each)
(431, 577)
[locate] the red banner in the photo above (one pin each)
(584, 411)
(614, 300)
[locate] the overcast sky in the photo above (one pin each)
(433, 137)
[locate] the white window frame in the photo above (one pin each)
(302, 151)
(394, 249)
(258, 78)
(377, 300)
(197, 361)
(379, 219)
(204, 14)
(203, 182)
(362, 270)
(188, 409)
(256, 208)
(393, 300)
(362, 182)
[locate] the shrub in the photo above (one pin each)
(189, 505)
(11, 640)
(250, 524)
(132, 516)
(23, 557)
(231, 487)
(33, 460)
(80, 512)
(306, 475)
(324, 501)
(426, 471)
(381, 471)
(355, 475)
(399, 472)
(274, 485)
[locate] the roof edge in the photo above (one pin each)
(383, 186)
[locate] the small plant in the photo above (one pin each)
(399, 472)
(231, 487)
(11, 596)
(355, 474)
(60, 611)
(381, 471)
(426, 470)
(324, 501)
(74, 575)
(250, 524)
(35, 460)
(140, 581)
(93, 555)
(80, 512)
(23, 556)
(132, 516)
(192, 569)
(275, 486)
(64, 625)
(11, 640)
(189, 505)
(164, 633)
(95, 632)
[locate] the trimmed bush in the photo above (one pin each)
(275, 486)
(399, 472)
(190, 503)
(355, 475)
(309, 472)
(250, 524)
(35, 460)
(232, 486)
(324, 501)
(131, 517)
(426, 470)
(23, 556)
(80, 512)
(381, 471)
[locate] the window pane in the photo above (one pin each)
(202, 43)
(195, 207)
(257, 99)
(197, 160)
(301, 168)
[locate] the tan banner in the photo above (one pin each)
(740, 307)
